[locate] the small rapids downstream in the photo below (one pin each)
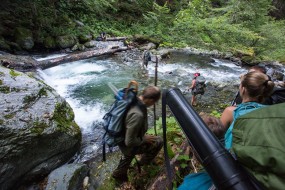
(84, 85)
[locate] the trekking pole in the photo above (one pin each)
(234, 101)
(155, 84)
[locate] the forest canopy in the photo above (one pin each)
(254, 29)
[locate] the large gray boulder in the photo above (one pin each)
(37, 129)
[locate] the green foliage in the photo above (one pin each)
(157, 20)
(272, 44)
(184, 159)
(171, 124)
(173, 134)
(215, 113)
(236, 25)
(251, 14)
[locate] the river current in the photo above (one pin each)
(84, 85)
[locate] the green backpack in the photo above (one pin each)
(259, 144)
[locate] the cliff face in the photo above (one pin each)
(38, 131)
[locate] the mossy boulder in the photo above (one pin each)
(50, 43)
(66, 41)
(84, 38)
(38, 131)
(24, 38)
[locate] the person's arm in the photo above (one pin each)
(133, 123)
(227, 117)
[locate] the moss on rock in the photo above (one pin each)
(64, 117)
(9, 116)
(39, 127)
(66, 41)
(49, 42)
(28, 99)
(5, 89)
(13, 73)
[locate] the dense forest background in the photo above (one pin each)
(254, 29)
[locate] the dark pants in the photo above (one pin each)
(148, 149)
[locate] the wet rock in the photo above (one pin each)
(38, 131)
(85, 38)
(149, 46)
(100, 171)
(20, 63)
(90, 44)
(67, 177)
(66, 41)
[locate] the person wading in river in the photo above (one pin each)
(198, 87)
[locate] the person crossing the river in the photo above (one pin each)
(146, 58)
(198, 86)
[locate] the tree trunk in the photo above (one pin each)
(78, 56)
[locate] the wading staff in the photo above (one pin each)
(155, 84)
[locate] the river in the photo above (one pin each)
(84, 85)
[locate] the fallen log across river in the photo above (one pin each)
(79, 56)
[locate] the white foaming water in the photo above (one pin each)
(85, 115)
(50, 57)
(217, 72)
(87, 67)
(219, 63)
(64, 77)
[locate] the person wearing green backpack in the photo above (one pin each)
(258, 145)
(254, 87)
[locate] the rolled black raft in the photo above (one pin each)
(224, 170)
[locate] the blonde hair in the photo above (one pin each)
(257, 84)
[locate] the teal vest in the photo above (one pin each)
(241, 109)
